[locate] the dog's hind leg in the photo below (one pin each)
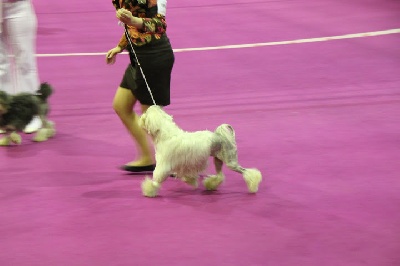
(47, 131)
(212, 182)
(251, 176)
(13, 137)
(228, 154)
(150, 187)
(191, 181)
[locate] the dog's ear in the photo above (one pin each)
(144, 123)
(152, 119)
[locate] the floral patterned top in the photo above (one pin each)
(154, 24)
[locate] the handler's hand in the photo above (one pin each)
(125, 16)
(111, 56)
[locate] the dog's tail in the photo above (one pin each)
(44, 91)
(229, 155)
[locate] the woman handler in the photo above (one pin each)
(147, 32)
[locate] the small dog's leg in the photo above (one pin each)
(192, 181)
(41, 135)
(228, 154)
(51, 128)
(5, 141)
(47, 131)
(150, 187)
(251, 176)
(212, 182)
(15, 138)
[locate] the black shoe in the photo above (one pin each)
(138, 169)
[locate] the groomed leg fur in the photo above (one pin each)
(5, 141)
(252, 177)
(150, 187)
(212, 182)
(46, 132)
(191, 181)
(228, 154)
(14, 137)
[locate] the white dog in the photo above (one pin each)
(186, 154)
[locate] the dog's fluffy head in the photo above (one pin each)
(155, 119)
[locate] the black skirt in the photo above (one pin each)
(156, 60)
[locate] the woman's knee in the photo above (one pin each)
(118, 107)
(122, 109)
(123, 102)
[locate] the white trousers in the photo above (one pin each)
(18, 66)
(161, 7)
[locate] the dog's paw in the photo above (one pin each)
(252, 177)
(41, 135)
(51, 129)
(150, 188)
(44, 134)
(212, 182)
(15, 138)
(51, 132)
(5, 141)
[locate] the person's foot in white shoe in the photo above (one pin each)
(33, 126)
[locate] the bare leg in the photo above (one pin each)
(123, 104)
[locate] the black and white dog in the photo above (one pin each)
(16, 111)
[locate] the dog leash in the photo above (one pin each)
(128, 37)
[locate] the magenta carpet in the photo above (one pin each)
(320, 119)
